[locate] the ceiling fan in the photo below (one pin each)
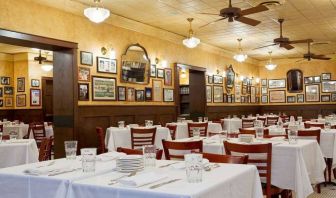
(309, 56)
(236, 14)
(284, 41)
(40, 58)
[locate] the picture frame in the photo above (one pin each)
(21, 100)
(277, 96)
(317, 79)
(168, 77)
(8, 90)
(8, 102)
(35, 97)
(83, 91)
(210, 79)
(20, 84)
(209, 93)
(257, 99)
(148, 94)
(244, 90)
(264, 99)
(229, 98)
(264, 82)
(325, 98)
(328, 86)
(104, 88)
(121, 93)
(35, 83)
(83, 74)
(276, 84)
(245, 82)
(153, 71)
(326, 76)
(86, 58)
(157, 90)
(1, 92)
(264, 90)
(238, 93)
(218, 94)
(300, 98)
(291, 99)
(130, 94)
(168, 95)
(217, 79)
(253, 94)
(1, 103)
(225, 96)
(106, 65)
(232, 98)
(139, 95)
(333, 97)
(242, 99)
(159, 73)
(309, 80)
(312, 93)
(5, 80)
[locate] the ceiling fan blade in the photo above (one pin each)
(301, 41)
(287, 46)
(209, 13)
(260, 8)
(247, 21)
(320, 57)
(265, 46)
(213, 22)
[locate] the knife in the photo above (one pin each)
(164, 183)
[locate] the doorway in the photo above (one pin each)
(47, 99)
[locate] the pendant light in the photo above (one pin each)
(191, 41)
(97, 14)
(270, 66)
(240, 57)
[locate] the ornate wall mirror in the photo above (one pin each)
(230, 79)
(135, 65)
(294, 81)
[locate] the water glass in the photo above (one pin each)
(200, 119)
(327, 126)
(149, 155)
(194, 167)
(88, 159)
(205, 119)
(196, 132)
(13, 135)
(121, 124)
(299, 118)
(148, 123)
(70, 149)
(257, 115)
(279, 124)
(257, 123)
(229, 116)
(319, 116)
(259, 133)
(292, 136)
(291, 119)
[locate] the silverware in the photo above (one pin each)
(210, 167)
(114, 181)
(149, 183)
(164, 183)
(62, 172)
(163, 166)
(45, 165)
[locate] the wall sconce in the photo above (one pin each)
(241, 78)
(183, 73)
(108, 50)
(257, 80)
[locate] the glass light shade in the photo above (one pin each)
(191, 42)
(241, 78)
(112, 54)
(164, 63)
(96, 14)
(47, 67)
(270, 66)
(240, 57)
(257, 80)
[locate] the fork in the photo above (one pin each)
(114, 181)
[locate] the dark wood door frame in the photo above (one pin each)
(65, 81)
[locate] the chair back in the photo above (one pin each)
(142, 136)
(1, 127)
(250, 131)
(172, 129)
(5, 137)
(194, 146)
(203, 127)
(247, 122)
(284, 118)
(101, 140)
(308, 125)
(45, 149)
(272, 120)
(215, 158)
(221, 122)
(39, 132)
(310, 134)
(263, 119)
(128, 151)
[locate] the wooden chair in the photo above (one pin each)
(38, 132)
(284, 118)
(263, 120)
(247, 122)
(128, 151)
(221, 122)
(196, 146)
(5, 137)
(203, 127)
(264, 166)
(101, 140)
(45, 149)
(215, 158)
(316, 134)
(271, 121)
(1, 128)
(142, 136)
(172, 129)
(247, 131)
(308, 125)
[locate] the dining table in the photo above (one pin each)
(182, 128)
(232, 125)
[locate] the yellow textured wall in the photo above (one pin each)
(21, 71)
(7, 70)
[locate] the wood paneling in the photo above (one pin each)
(24, 115)
(216, 112)
(197, 96)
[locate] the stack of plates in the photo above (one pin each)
(130, 163)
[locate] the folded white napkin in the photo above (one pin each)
(141, 179)
(110, 156)
(280, 138)
(182, 165)
(46, 170)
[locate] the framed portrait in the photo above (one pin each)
(217, 79)
(263, 90)
(218, 93)
(333, 97)
(104, 88)
(139, 95)
(8, 90)
(35, 82)
(326, 76)
(86, 58)
(291, 99)
(238, 91)
(264, 82)
(300, 98)
(209, 93)
(264, 99)
(325, 98)
(83, 91)
(245, 81)
(157, 90)
(160, 73)
(1, 103)
(21, 100)
(83, 74)
(329, 86)
(20, 84)
(35, 97)
(121, 93)
(276, 84)
(130, 94)
(244, 90)
(309, 80)
(153, 71)
(317, 79)
(277, 96)
(229, 98)
(210, 79)
(106, 65)
(168, 95)
(312, 93)
(8, 102)
(1, 92)
(148, 94)
(5, 80)
(168, 77)
(253, 94)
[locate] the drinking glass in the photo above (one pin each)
(13, 135)
(292, 136)
(257, 123)
(205, 119)
(299, 118)
(200, 119)
(89, 159)
(148, 123)
(196, 132)
(257, 115)
(280, 124)
(319, 116)
(291, 119)
(179, 120)
(327, 126)
(259, 133)
(121, 124)
(70, 149)
(149, 155)
(229, 116)
(194, 167)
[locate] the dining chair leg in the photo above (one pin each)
(318, 188)
(286, 194)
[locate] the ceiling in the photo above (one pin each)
(315, 19)
(13, 49)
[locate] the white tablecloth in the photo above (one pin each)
(20, 129)
(232, 124)
(17, 152)
(182, 129)
(121, 137)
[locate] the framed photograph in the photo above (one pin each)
(309, 80)
(317, 79)
(35, 97)
(21, 100)
(35, 82)
(168, 77)
(253, 94)
(153, 71)
(1, 92)
(121, 93)
(225, 98)
(139, 95)
(83, 91)
(264, 90)
(333, 97)
(300, 98)
(86, 58)
(148, 94)
(130, 94)
(242, 99)
(1, 103)
(8, 90)
(326, 76)
(329, 86)
(276, 84)
(5, 80)
(238, 91)
(210, 79)
(218, 93)
(325, 98)
(232, 98)
(160, 73)
(157, 90)
(106, 65)
(291, 99)
(217, 79)
(245, 82)
(20, 84)
(8, 102)
(264, 82)
(264, 99)
(257, 99)
(229, 98)
(244, 90)
(277, 96)
(257, 90)
(168, 95)
(209, 93)
(83, 74)
(312, 93)
(104, 88)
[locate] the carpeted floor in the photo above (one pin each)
(326, 192)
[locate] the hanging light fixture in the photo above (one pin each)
(240, 57)
(46, 65)
(97, 14)
(191, 41)
(270, 66)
